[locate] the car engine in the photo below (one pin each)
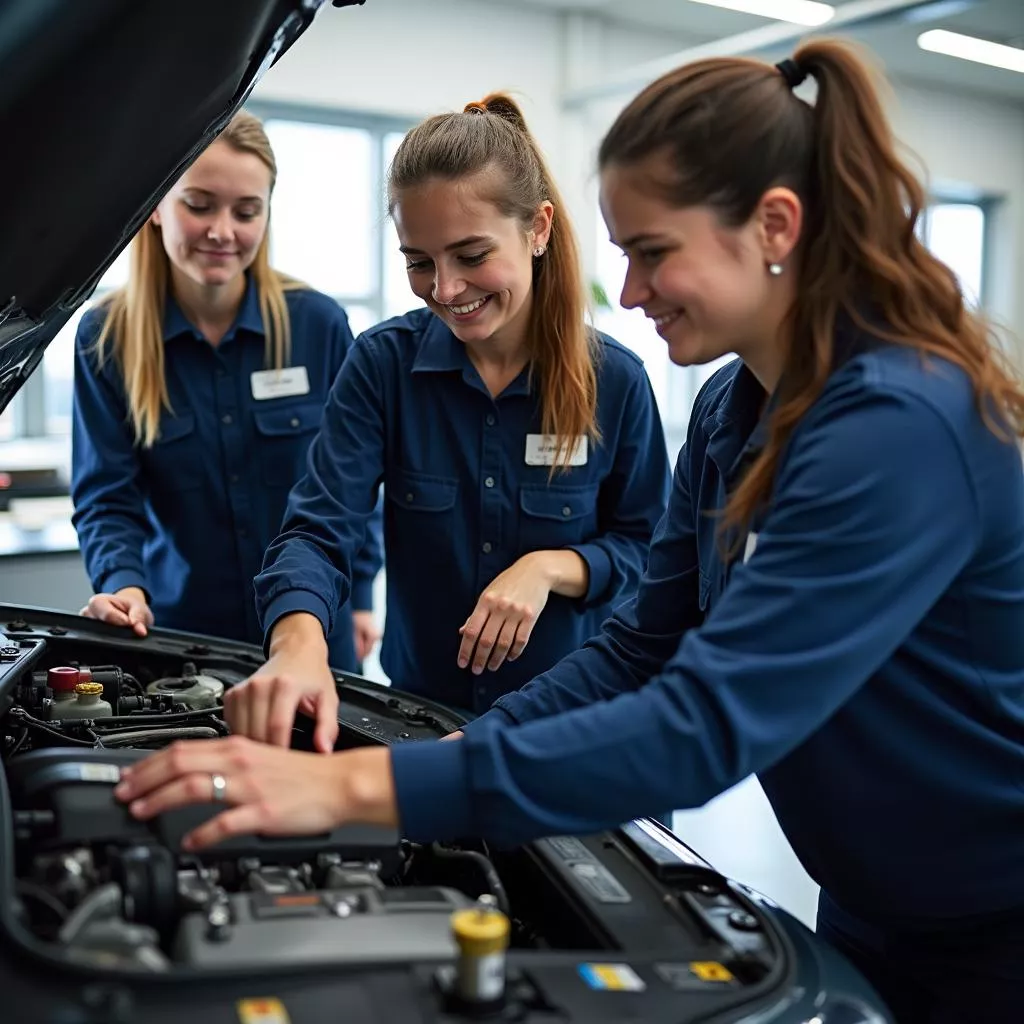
(103, 907)
(107, 890)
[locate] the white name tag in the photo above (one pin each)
(542, 449)
(751, 546)
(292, 380)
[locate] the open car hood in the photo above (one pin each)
(102, 106)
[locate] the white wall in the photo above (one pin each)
(412, 58)
(977, 143)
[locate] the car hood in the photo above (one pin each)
(102, 107)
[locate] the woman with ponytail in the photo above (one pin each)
(198, 388)
(522, 456)
(835, 598)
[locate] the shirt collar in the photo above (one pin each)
(740, 426)
(441, 352)
(248, 317)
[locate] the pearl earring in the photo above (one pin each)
(538, 251)
(775, 269)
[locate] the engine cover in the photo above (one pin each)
(66, 797)
(353, 926)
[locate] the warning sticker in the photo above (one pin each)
(612, 977)
(262, 1011)
(696, 975)
(711, 970)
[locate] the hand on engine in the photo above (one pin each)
(125, 607)
(296, 677)
(266, 790)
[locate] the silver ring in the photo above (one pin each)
(220, 788)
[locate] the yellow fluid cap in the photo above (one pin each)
(89, 689)
(480, 931)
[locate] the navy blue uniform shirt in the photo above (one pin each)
(866, 660)
(188, 520)
(461, 503)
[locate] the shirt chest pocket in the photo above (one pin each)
(424, 506)
(556, 516)
(284, 434)
(176, 460)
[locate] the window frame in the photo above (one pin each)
(379, 127)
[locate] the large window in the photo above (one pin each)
(329, 228)
(330, 223)
(954, 231)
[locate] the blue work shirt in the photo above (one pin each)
(188, 520)
(866, 660)
(462, 505)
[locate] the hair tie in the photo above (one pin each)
(475, 108)
(791, 72)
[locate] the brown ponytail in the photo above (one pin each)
(489, 134)
(731, 129)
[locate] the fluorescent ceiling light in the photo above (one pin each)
(953, 44)
(798, 12)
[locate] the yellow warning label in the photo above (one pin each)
(711, 970)
(262, 1011)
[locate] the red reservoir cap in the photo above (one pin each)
(62, 678)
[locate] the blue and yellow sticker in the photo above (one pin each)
(266, 1010)
(612, 977)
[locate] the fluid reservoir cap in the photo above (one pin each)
(89, 689)
(481, 930)
(63, 678)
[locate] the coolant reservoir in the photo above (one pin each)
(88, 702)
(193, 689)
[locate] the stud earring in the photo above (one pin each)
(538, 251)
(775, 269)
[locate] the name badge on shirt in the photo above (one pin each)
(541, 450)
(751, 546)
(291, 380)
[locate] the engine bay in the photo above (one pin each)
(85, 886)
(107, 890)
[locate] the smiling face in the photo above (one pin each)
(470, 264)
(213, 219)
(705, 286)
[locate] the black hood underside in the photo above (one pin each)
(103, 104)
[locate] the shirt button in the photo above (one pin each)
(487, 547)
(226, 419)
(489, 482)
(409, 497)
(566, 511)
(234, 478)
(295, 421)
(243, 532)
(490, 420)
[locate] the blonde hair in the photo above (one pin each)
(132, 331)
(489, 134)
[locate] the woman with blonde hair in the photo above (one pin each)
(198, 388)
